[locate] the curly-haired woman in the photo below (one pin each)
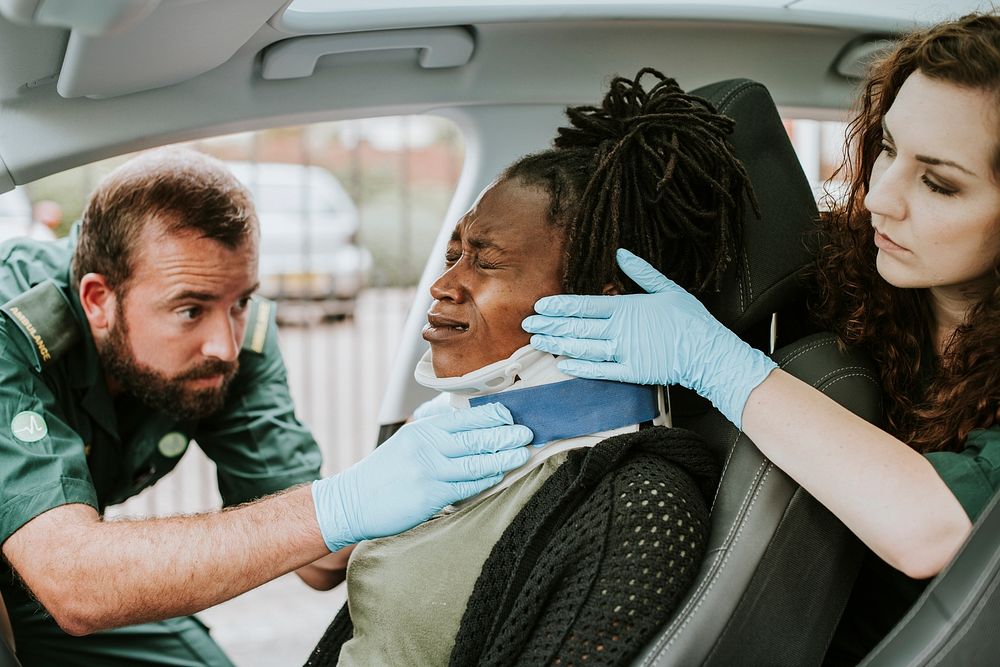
(910, 270)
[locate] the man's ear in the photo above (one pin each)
(612, 289)
(99, 303)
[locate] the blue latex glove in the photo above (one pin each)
(664, 337)
(439, 405)
(427, 465)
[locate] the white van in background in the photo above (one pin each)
(308, 224)
(17, 217)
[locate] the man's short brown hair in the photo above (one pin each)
(180, 190)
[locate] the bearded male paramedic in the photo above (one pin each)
(119, 345)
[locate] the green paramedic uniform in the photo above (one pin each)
(882, 595)
(63, 440)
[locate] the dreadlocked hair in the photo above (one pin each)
(651, 171)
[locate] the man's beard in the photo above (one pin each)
(157, 391)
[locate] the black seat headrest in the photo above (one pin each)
(766, 275)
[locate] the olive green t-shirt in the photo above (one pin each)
(407, 593)
(63, 439)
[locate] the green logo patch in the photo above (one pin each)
(29, 426)
(173, 444)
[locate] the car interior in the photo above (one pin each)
(779, 566)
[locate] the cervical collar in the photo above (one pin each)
(566, 412)
(486, 380)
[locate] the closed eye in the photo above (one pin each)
(936, 188)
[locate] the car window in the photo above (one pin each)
(15, 205)
(819, 145)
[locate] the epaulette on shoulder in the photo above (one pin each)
(262, 312)
(45, 317)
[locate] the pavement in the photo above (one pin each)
(274, 625)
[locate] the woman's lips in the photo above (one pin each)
(439, 328)
(883, 242)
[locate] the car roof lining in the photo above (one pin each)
(174, 71)
(43, 132)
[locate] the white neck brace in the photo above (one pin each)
(486, 380)
(527, 367)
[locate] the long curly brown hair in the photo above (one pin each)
(932, 402)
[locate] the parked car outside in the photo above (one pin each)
(308, 225)
(17, 217)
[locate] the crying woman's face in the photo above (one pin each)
(502, 257)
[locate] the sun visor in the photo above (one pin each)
(175, 42)
(91, 17)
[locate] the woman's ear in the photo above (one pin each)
(612, 289)
(99, 302)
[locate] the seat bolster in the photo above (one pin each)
(7, 658)
(750, 520)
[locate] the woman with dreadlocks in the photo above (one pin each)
(533, 572)
(910, 271)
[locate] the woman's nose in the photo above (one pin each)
(885, 195)
(450, 286)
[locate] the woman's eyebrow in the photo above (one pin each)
(483, 243)
(479, 242)
(926, 159)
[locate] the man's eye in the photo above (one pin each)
(242, 304)
(191, 313)
(483, 264)
(451, 257)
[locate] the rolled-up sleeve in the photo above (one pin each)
(972, 474)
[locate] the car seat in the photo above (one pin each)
(954, 622)
(7, 658)
(779, 567)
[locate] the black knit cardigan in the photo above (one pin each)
(595, 562)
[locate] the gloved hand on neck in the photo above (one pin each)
(427, 465)
(663, 337)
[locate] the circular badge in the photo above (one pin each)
(173, 444)
(29, 426)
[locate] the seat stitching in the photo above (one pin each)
(730, 97)
(735, 91)
(746, 499)
(860, 369)
(725, 560)
(866, 376)
(706, 586)
(660, 645)
(746, 263)
(732, 451)
(808, 348)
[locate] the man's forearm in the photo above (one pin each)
(108, 574)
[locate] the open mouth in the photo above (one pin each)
(440, 327)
